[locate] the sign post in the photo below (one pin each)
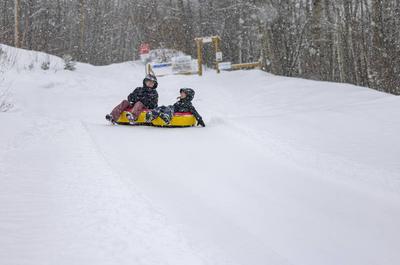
(144, 51)
(218, 54)
(199, 43)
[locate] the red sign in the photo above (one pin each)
(144, 48)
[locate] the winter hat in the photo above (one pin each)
(189, 93)
(150, 77)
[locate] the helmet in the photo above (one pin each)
(189, 93)
(151, 78)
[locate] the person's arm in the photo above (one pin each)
(154, 101)
(197, 116)
(134, 96)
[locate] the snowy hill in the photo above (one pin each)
(287, 171)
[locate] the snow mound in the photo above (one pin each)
(24, 60)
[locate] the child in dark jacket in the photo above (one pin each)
(184, 104)
(141, 98)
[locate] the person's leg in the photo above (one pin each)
(170, 112)
(153, 114)
(167, 114)
(137, 109)
(116, 112)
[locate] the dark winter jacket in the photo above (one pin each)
(185, 105)
(148, 96)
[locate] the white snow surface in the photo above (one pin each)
(287, 171)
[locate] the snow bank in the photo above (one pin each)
(25, 60)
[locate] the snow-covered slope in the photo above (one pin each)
(287, 171)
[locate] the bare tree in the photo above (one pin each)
(17, 7)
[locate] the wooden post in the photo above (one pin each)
(216, 41)
(246, 65)
(149, 69)
(199, 42)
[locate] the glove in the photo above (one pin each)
(201, 122)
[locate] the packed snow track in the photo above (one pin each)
(287, 171)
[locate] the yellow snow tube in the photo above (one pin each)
(180, 119)
(124, 120)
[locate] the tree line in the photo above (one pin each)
(352, 41)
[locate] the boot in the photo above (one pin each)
(110, 118)
(131, 118)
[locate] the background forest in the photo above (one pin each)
(352, 41)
